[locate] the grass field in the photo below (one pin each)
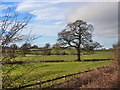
(45, 71)
(35, 72)
(96, 55)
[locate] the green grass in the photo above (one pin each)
(99, 55)
(96, 55)
(45, 71)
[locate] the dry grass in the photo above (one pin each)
(99, 78)
(107, 78)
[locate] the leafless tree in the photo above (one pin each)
(34, 46)
(76, 34)
(92, 46)
(25, 48)
(96, 45)
(57, 47)
(14, 46)
(46, 50)
(47, 45)
(11, 26)
(116, 46)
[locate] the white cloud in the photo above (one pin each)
(59, 23)
(28, 6)
(42, 10)
(45, 30)
(47, 13)
(104, 16)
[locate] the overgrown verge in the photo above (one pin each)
(99, 78)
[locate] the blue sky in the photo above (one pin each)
(49, 18)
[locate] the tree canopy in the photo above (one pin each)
(77, 35)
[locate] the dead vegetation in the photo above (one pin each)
(99, 78)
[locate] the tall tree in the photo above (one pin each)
(76, 34)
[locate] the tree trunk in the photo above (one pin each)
(78, 54)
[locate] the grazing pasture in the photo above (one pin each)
(96, 55)
(45, 71)
(33, 72)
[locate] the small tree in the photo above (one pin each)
(96, 45)
(34, 46)
(25, 48)
(47, 45)
(92, 46)
(76, 34)
(12, 50)
(46, 50)
(57, 47)
(14, 46)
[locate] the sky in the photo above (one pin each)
(50, 17)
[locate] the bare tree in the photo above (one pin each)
(25, 48)
(96, 45)
(34, 46)
(116, 46)
(76, 34)
(11, 51)
(14, 46)
(57, 47)
(46, 50)
(47, 45)
(11, 26)
(92, 46)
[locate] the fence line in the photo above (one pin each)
(64, 76)
(45, 61)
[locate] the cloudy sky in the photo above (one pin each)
(50, 17)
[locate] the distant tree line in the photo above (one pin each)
(55, 49)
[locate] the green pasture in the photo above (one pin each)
(33, 72)
(95, 55)
(45, 71)
(53, 51)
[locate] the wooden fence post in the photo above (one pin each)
(52, 82)
(39, 86)
(64, 77)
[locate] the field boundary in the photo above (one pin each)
(74, 60)
(45, 61)
(64, 76)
